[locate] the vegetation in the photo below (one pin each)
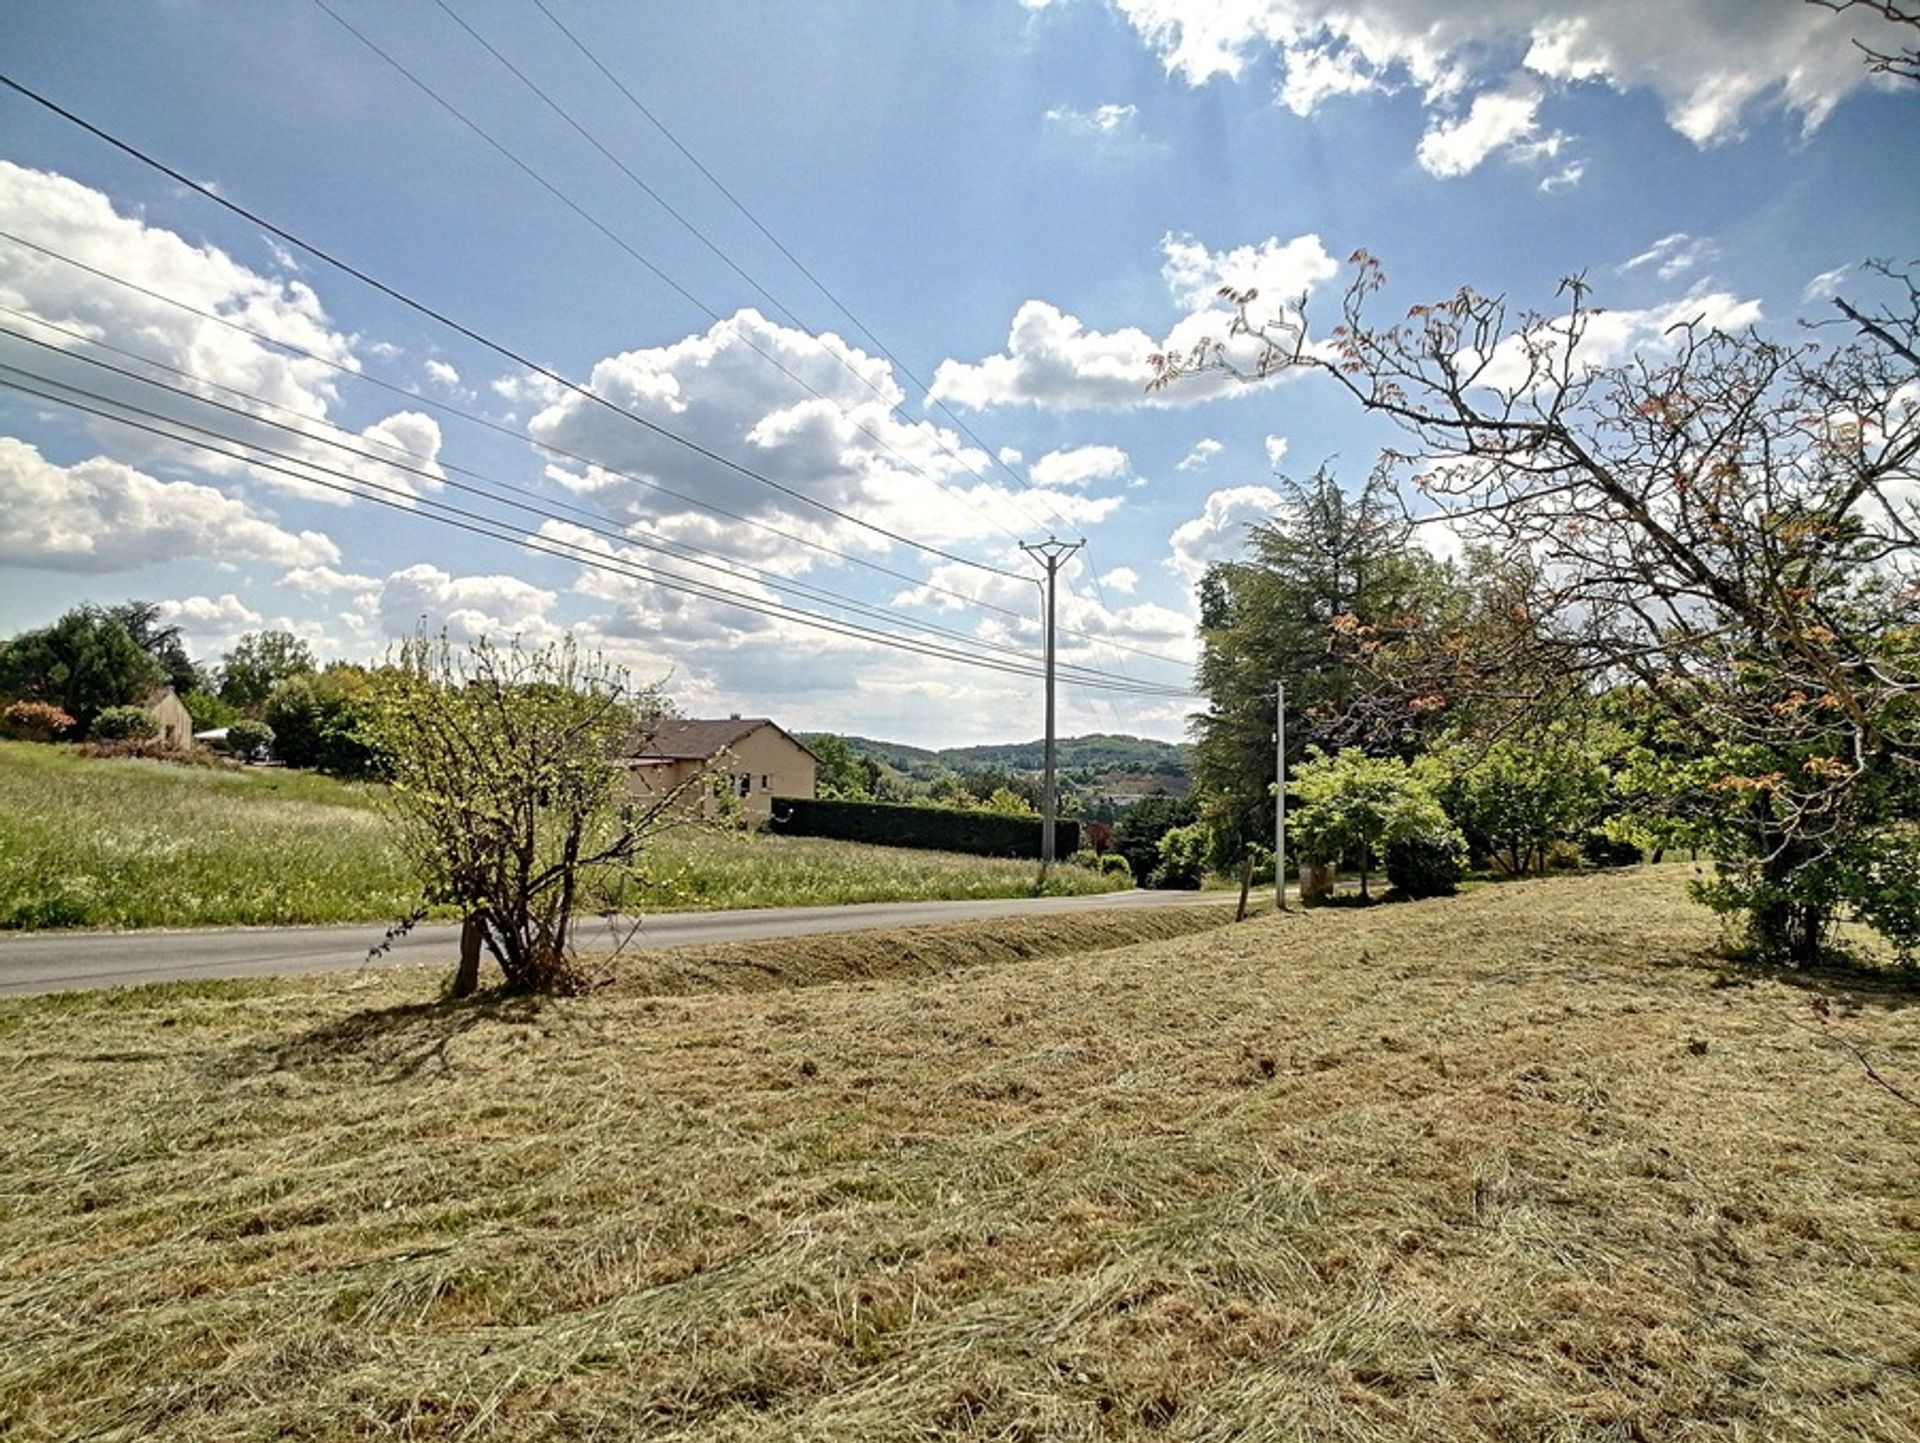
(83, 664)
(259, 662)
(1007, 830)
(1525, 1164)
(126, 843)
(124, 724)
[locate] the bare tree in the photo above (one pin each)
(1903, 62)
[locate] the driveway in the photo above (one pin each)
(69, 961)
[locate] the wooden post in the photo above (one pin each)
(466, 981)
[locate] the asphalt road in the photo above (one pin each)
(71, 961)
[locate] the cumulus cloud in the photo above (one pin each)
(465, 607)
(442, 373)
(321, 580)
(201, 614)
(1611, 336)
(1710, 63)
(1204, 450)
(101, 515)
(1218, 533)
(1078, 465)
(1276, 447)
(1054, 360)
(1123, 579)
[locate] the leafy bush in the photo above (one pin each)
(1183, 858)
(321, 722)
(34, 721)
(124, 724)
(1353, 807)
(1429, 865)
(1112, 864)
(249, 739)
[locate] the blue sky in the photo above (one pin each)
(1016, 201)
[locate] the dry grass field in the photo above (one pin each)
(1525, 1164)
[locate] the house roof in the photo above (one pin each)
(692, 739)
(157, 695)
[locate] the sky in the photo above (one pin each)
(741, 332)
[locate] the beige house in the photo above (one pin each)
(757, 760)
(171, 716)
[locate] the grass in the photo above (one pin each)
(124, 843)
(1530, 1163)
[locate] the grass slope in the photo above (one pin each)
(91, 843)
(1525, 1164)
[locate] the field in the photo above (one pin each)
(1531, 1163)
(92, 843)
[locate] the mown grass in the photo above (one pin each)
(1525, 1164)
(122, 843)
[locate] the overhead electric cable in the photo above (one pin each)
(483, 526)
(708, 311)
(413, 397)
(478, 338)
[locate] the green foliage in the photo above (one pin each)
(1136, 836)
(1430, 865)
(249, 740)
(162, 643)
(944, 829)
(208, 711)
(1350, 807)
(33, 721)
(508, 793)
(1185, 853)
(842, 774)
(84, 663)
(1006, 802)
(320, 721)
(259, 662)
(124, 724)
(1514, 800)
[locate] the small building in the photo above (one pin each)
(756, 759)
(170, 714)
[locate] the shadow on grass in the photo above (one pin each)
(394, 1044)
(1840, 982)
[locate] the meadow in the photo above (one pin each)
(89, 842)
(1530, 1163)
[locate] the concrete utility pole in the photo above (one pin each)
(1280, 795)
(1051, 552)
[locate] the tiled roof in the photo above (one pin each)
(685, 739)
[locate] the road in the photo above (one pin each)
(71, 961)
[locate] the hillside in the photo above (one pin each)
(1098, 752)
(1529, 1163)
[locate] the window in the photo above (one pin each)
(766, 782)
(746, 784)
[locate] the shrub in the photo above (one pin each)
(1427, 865)
(34, 721)
(1601, 850)
(1112, 864)
(1183, 858)
(249, 739)
(124, 724)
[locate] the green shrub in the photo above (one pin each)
(124, 724)
(1112, 864)
(1183, 858)
(249, 739)
(34, 721)
(1428, 865)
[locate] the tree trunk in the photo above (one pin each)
(466, 979)
(1246, 884)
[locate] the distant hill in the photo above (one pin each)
(1102, 752)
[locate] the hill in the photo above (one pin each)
(1099, 752)
(1527, 1163)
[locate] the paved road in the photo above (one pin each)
(70, 961)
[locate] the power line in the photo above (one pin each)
(443, 513)
(605, 230)
(353, 374)
(498, 348)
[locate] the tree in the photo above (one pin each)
(1728, 522)
(1321, 582)
(1514, 799)
(259, 662)
(249, 740)
(1350, 807)
(84, 663)
(510, 798)
(162, 643)
(320, 720)
(843, 775)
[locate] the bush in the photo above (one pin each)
(1429, 865)
(1112, 864)
(249, 739)
(124, 724)
(34, 721)
(1601, 850)
(1183, 858)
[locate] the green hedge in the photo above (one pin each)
(940, 829)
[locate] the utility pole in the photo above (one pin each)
(1051, 553)
(1280, 796)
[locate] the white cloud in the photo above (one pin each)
(1078, 465)
(201, 614)
(1672, 256)
(1218, 533)
(1825, 285)
(442, 373)
(1710, 63)
(1494, 120)
(1123, 579)
(1053, 360)
(1276, 450)
(320, 580)
(1565, 178)
(1101, 123)
(1612, 336)
(465, 607)
(101, 515)
(1204, 450)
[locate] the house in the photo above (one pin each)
(758, 760)
(170, 714)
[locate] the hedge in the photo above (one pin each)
(940, 829)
